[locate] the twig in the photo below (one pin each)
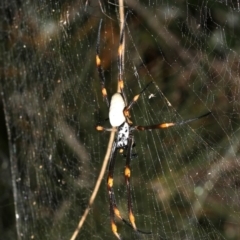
(98, 182)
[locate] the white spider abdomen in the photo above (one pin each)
(117, 105)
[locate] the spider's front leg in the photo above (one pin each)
(99, 66)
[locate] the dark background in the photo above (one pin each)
(185, 180)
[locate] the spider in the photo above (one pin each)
(119, 118)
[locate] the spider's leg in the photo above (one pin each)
(114, 211)
(127, 174)
(136, 97)
(99, 66)
(167, 125)
(113, 207)
(101, 129)
(121, 49)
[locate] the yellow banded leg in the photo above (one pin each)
(114, 229)
(131, 217)
(102, 78)
(113, 207)
(99, 66)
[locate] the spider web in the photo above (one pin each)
(185, 179)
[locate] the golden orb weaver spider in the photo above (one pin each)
(119, 118)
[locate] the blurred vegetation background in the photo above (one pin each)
(185, 180)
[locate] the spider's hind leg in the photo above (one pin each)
(127, 173)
